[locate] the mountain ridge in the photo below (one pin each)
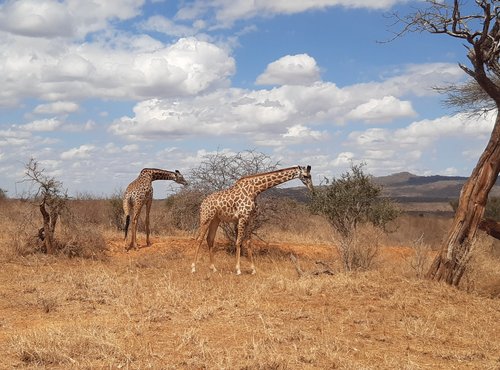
(405, 187)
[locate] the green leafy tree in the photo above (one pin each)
(348, 202)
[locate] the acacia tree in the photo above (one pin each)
(479, 29)
(51, 200)
(217, 172)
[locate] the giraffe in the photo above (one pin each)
(237, 204)
(140, 192)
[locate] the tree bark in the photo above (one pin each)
(450, 264)
(48, 231)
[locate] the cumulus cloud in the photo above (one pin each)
(381, 110)
(416, 79)
(265, 113)
(300, 69)
(49, 124)
(401, 149)
(54, 19)
(428, 131)
(297, 134)
(140, 68)
(36, 18)
(343, 159)
(82, 152)
(58, 107)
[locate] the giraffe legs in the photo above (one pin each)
(212, 231)
(133, 231)
(209, 228)
(148, 208)
(242, 224)
(201, 235)
(248, 245)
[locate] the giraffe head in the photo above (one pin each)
(305, 177)
(179, 178)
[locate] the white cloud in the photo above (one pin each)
(130, 148)
(296, 134)
(300, 69)
(381, 110)
(58, 107)
(382, 154)
(266, 114)
(136, 68)
(12, 137)
(82, 152)
(36, 18)
(421, 134)
(343, 159)
(48, 124)
(392, 150)
(228, 11)
(427, 131)
(450, 171)
(164, 25)
(299, 131)
(416, 79)
(79, 127)
(72, 18)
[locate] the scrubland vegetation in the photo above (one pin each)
(92, 305)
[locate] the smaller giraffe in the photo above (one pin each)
(237, 204)
(140, 192)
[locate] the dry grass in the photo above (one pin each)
(144, 309)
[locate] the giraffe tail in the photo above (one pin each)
(127, 222)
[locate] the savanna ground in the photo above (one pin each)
(144, 309)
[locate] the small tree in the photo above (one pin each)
(51, 200)
(348, 202)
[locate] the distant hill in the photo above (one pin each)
(406, 187)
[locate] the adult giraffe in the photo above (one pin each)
(237, 204)
(140, 192)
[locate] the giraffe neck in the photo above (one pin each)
(157, 174)
(264, 181)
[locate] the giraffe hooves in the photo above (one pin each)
(212, 267)
(238, 272)
(193, 268)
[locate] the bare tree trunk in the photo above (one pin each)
(48, 231)
(450, 264)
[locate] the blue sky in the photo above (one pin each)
(95, 92)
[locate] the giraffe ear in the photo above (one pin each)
(308, 168)
(177, 172)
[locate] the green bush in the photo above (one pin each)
(349, 202)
